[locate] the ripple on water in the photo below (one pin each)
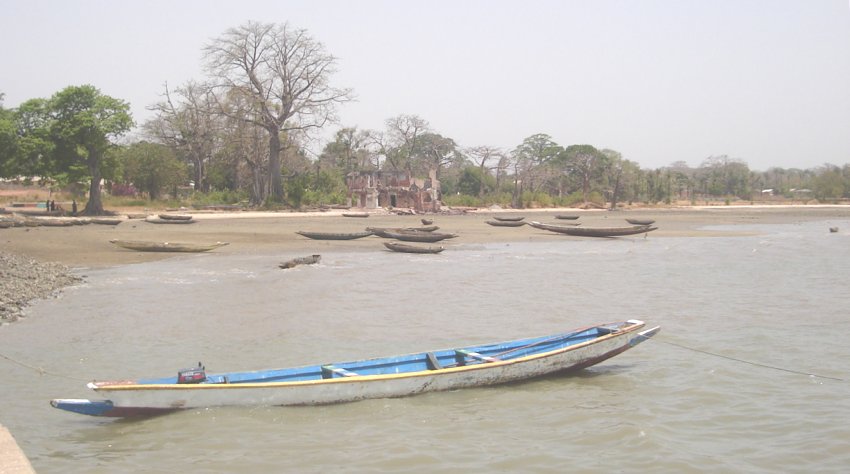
(660, 408)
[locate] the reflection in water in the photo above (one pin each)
(777, 298)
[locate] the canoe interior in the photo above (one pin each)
(418, 362)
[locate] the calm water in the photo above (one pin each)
(778, 298)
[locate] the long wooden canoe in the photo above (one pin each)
(416, 236)
(144, 246)
(407, 248)
(594, 231)
(334, 235)
(160, 220)
(641, 221)
(176, 217)
(381, 231)
(337, 382)
(506, 223)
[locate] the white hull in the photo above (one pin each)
(347, 389)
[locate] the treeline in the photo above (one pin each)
(242, 132)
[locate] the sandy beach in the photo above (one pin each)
(88, 246)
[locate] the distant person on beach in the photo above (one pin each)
(74, 207)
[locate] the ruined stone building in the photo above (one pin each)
(374, 189)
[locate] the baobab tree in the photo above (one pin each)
(284, 74)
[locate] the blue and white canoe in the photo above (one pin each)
(339, 382)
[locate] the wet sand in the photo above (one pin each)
(88, 246)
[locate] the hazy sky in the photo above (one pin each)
(764, 81)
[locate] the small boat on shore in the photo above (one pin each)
(641, 221)
(382, 231)
(579, 231)
(176, 217)
(355, 214)
(417, 236)
(506, 223)
(105, 220)
(568, 217)
(509, 219)
(309, 260)
(334, 235)
(145, 246)
(407, 248)
(160, 220)
(339, 382)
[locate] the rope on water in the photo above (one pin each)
(798, 372)
(40, 370)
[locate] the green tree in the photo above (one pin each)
(532, 160)
(31, 152)
(474, 181)
(829, 183)
(347, 152)
(8, 140)
(151, 168)
(83, 124)
(586, 163)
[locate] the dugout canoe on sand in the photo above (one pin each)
(506, 223)
(176, 217)
(641, 221)
(160, 220)
(417, 236)
(334, 235)
(145, 246)
(407, 248)
(579, 231)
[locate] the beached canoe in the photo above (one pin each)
(407, 248)
(355, 214)
(160, 220)
(594, 231)
(106, 220)
(569, 217)
(417, 236)
(506, 223)
(641, 221)
(143, 246)
(176, 217)
(338, 382)
(382, 231)
(508, 219)
(334, 235)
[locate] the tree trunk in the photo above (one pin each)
(615, 195)
(94, 207)
(200, 181)
(274, 166)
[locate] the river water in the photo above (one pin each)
(772, 295)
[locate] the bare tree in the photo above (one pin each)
(404, 132)
(284, 73)
(188, 126)
(480, 156)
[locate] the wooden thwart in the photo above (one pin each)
(328, 372)
(462, 354)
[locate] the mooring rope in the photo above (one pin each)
(40, 370)
(757, 364)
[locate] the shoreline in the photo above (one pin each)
(37, 262)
